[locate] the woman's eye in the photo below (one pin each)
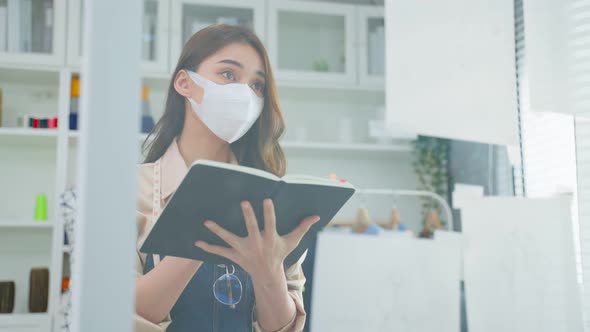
(228, 75)
(258, 87)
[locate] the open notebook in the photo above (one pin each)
(213, 191)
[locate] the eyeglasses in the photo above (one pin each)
(228, 288)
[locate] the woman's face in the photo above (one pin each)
(235, 63)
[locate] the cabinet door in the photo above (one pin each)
(190, 16)
(32, 32)
(371, 46)
(154, 42)
(312, 43)
(451, 69)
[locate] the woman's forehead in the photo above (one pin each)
(242, 53)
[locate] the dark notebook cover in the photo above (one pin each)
(213, 191)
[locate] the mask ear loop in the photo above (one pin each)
(198, 79)
(201, 82)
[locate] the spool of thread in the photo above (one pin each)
(6, 297)
(37, 122)
(38, 289)
(52, 123)
(41, 208)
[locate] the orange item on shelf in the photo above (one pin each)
(146, 93)
(75, 91)
(65, 284)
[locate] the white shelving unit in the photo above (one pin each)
(44, 160)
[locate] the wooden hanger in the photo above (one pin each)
(433, 221)
(362, 220)
(394, 219)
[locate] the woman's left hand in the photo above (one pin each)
(260, 253)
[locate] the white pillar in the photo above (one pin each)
(102, 281)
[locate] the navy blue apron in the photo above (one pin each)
(197, 309)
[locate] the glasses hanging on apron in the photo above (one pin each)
(227, 289)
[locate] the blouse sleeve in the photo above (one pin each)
(295, 283)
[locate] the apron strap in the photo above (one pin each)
(156, 201)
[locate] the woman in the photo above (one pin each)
(222, 105)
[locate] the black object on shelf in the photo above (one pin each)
(6, 297)
(38, 289)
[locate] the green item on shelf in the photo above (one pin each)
(321, 65)
(41, 208)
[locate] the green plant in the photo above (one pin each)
(430, 165)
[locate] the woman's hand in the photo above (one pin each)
(261, 254)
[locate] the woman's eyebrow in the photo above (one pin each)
(239, 65)
(232, 62)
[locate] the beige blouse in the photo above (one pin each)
(173, 170)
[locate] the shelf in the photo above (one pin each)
(73, 134)
(12, 223)
(47, 75)
(403, 146)
(4, 131)
(25, 320)
(27, 136)
(325, 146)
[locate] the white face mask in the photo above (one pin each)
(228, 110)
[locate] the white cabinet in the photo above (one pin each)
(154, 41)
(190, 16)
(32, 32)
(371, 46)
(312, 42)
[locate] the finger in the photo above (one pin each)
(297, 234)
(224, 234)
(250, 219)
(217, 250)
(270, 222)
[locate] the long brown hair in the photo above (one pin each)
(259, 147)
